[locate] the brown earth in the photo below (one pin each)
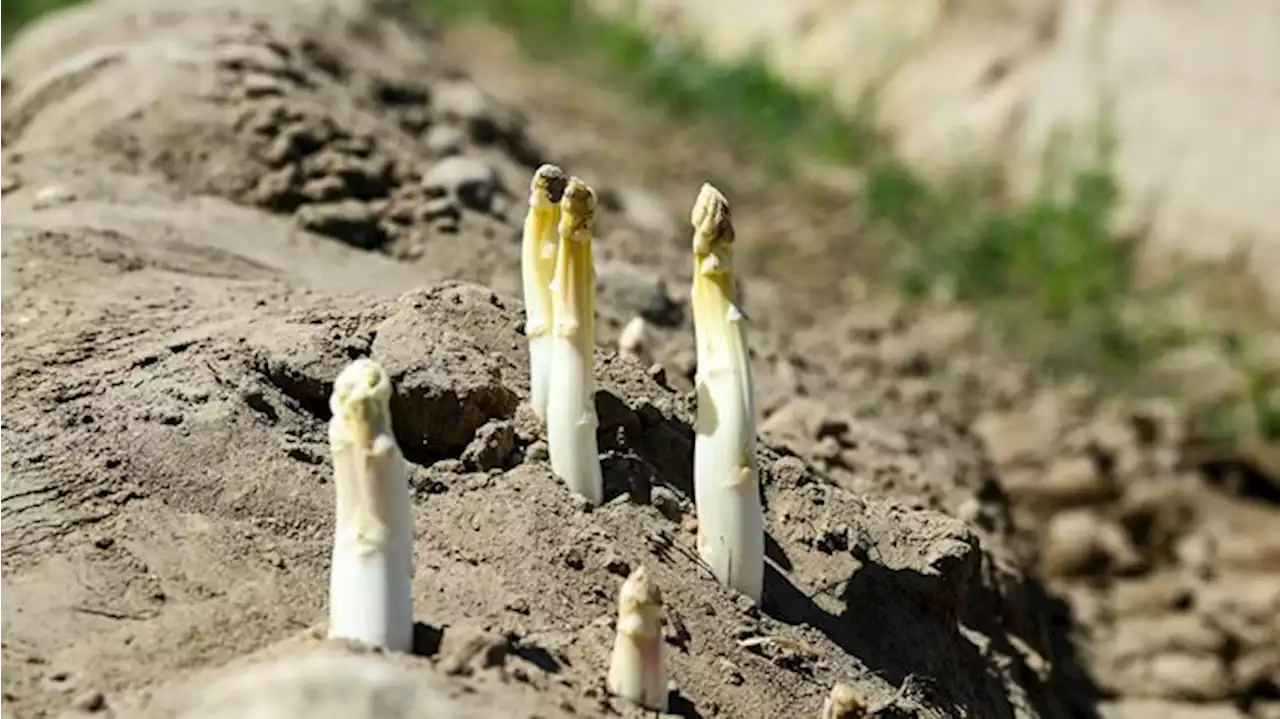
(210, 206)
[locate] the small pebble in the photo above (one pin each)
(636, 340)
(53, 195)
(581, 503)
(689, 524)
(90, 701)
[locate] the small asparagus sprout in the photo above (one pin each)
(636, 670)
(843, 702)
(571, 413)
(370, 595)
(636, 341)
(538, 266)
(726, 483)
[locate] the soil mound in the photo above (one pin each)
(210, 207)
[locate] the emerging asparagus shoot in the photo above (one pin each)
(636, 669)
(370, 596)
(538, 265)
(636, 341)
(571, 412)
(726, 483)
(843, 702)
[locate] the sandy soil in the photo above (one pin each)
(209, 207)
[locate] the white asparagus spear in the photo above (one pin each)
(538, 265)
(371, 571)
(571, 411)
(726, 481)
(637, 670)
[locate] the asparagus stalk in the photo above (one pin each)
(538, 265)
(636, 669)
(370, 595)
(726, 482)
(571, 413)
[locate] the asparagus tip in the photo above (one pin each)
(547, 185)
(577, 208)
(844, 702)
(639, 591)
(364, 379)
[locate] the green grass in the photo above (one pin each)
(16, 13)
(1048, 272)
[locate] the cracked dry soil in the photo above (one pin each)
(211, 206)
